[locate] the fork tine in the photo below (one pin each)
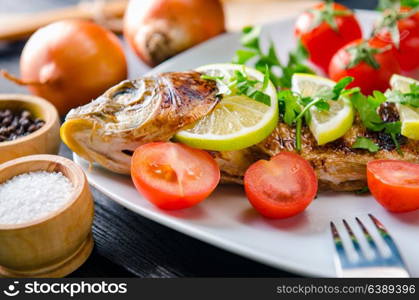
(379, 265)
(368, 237)
(354, 240)
(387, 238)
(341, 260)
(380, 227)
(335, 234)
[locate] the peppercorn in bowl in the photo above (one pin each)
(28, 125)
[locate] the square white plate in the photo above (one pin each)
(301, 244)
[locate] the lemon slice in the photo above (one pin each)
(409, 116)
(238, 121)
(330, 125)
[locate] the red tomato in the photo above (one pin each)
(173, 176)
(367, 76)
(281, 187)
(320, 39)
(395, 184)
(408, 28)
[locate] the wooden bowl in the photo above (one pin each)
(57, 244)
(45, 140)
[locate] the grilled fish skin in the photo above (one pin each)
(132, 113)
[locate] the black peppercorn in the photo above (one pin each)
(15, 124)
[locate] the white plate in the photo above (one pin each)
(301, 244)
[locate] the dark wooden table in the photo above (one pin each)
(127, 244)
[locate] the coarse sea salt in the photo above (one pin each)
(31, 196)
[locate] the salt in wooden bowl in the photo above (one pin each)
(54, 245)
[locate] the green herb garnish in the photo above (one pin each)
(367, 109)
(251, 41)
(365, 143)
(364, 190)
(240, 84)
(321, 97)
(293, 107)
(410, 98)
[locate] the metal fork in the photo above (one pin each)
(379, 265)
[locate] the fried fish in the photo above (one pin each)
(109, 129)
(154, 108)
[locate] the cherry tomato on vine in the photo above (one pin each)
(400, 28)
(370, 63)
(324, 29)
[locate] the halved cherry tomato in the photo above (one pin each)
(173, 176)
(281, 187)
(314, 29)
(370, 63)
(395, 184)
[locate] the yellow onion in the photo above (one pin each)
(159, 29)
(71, 62)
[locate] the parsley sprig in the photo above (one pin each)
(365, 143)
(410, 98)
(250, 40)
(241, 84)
(293, 107)
(367, 108)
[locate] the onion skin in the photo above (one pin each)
(72, 62)
(159, 29)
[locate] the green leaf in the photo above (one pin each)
(272, 56)
(351, 91)
(367, 109)
(250, 37)
(291, 105)
(298, 133)
(208, 77)
(261, 97)
(365, 143)
(393, 127)
(364, 190)
(340, 86)
(386, 4)
(298, 55)
(243, 56)
(322, 106)
(378, 98)
(241, 84)
(265, 79)
(410, 98)
(410, 3)
(414, 88)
